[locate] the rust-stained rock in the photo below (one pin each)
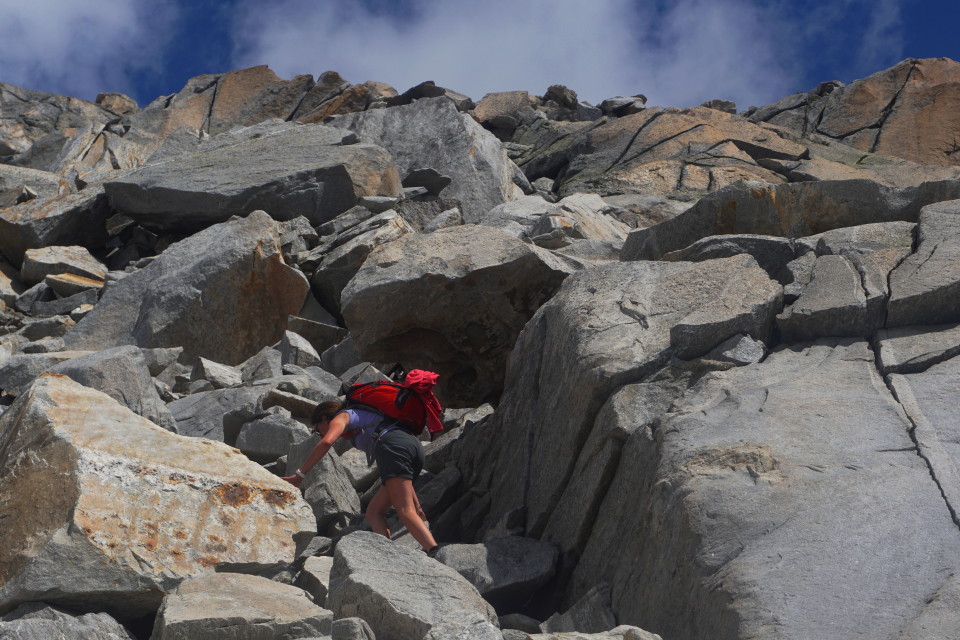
(101, 509)
(71, 219)
(249, 96)
(40, 263)
(911, 111)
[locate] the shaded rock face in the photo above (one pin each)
(909, 111)
(402, 298)
(171, 301)
(130, 509)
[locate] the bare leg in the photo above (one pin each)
(404, 500)
(376, 513)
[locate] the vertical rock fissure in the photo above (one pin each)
(213, 101)
(632, 140)
(887, 110)
(912, 432)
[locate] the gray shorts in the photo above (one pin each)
(399, 454)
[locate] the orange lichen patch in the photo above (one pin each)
(208, 561)
(216, 544)
(277, 497)
(234, 494)
(176, 553)
(180, 534)
(179, 478)
(151, 536)
(79, 280)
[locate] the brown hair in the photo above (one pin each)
(327, 410)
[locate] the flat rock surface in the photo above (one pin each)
(914, 349)
(288, 170)
(230, 606)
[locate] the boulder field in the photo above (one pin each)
(698, 366)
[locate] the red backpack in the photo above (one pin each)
(390, 399)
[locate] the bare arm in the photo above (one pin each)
(338, 425)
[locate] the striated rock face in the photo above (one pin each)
(221, 294)
(911, 111)
(128, 509)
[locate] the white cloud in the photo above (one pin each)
(694, 51)
(81, 48)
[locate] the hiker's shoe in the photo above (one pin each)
(432, 553)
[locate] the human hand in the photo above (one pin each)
(295, 480)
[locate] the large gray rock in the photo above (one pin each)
(67, 219)
(399, 304)
(39, 263)
(622, 632)
(772, 253)
(19, 371)
(205, 414)
(833, 303)
(590, 614)
(925, 288)
(222, 294)
(29, 116)
(234, 606)
(371, 579)
(122, 374)
(768, 491)
(289, 170)
(927, 399)
(611, 325)
(786, 210)
(271, 435)
(345, 254)
(432, 133)
(38, 621)
(327, 487)
(505, 570)
(581, 216)
(100, 510)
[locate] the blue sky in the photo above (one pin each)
(677, 53)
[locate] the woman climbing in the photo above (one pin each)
(383, 419)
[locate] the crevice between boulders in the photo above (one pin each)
(925, 441)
